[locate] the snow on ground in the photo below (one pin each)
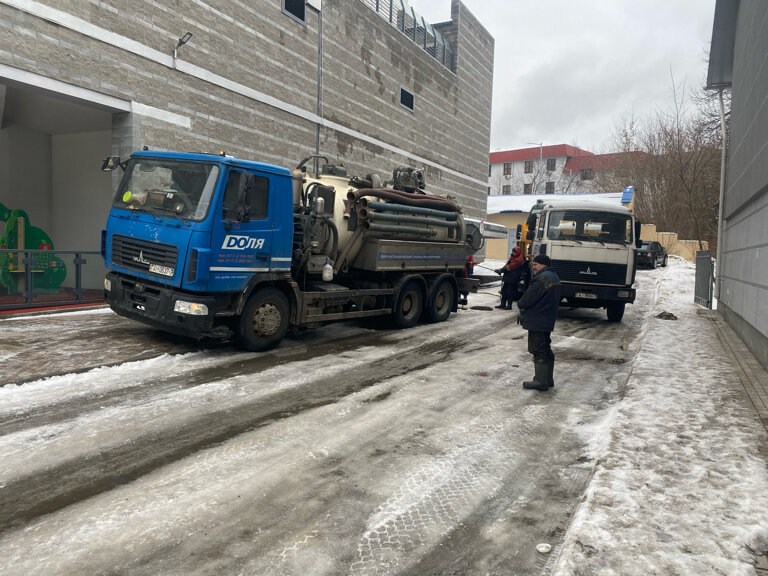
(679, 486)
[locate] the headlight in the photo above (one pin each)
(107, 284)
(192, 308)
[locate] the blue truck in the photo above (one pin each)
(208, 245)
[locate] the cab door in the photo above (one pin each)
(242, 237)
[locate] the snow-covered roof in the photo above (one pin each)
(524, 202)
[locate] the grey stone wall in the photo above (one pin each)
(744, 270)
(246, 83)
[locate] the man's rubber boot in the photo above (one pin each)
(539, 381)
(551, 373)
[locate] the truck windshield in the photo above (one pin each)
(166, 187)
(589, 226)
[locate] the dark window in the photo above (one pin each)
(550, 188)
(246, 197)
(528, 166)
(507, 168)
(586, 174)
(296, 9)
(506, 189)
(406, 99)
(551, 164)
(526, 188)
(489, 170)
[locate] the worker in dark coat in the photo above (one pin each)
(513, 274)
(538, 312)
(466, 272)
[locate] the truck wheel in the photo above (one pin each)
(442, 302)
(409, 306)
(615, 311)
(264, 320)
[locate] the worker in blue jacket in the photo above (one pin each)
(538, 312)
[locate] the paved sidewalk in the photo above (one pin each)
(751, 373)
(754, 379)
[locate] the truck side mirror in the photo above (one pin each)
(530, 235)
(519, 233)
(110, 163)
(638, 229)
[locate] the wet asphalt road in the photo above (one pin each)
(347, 450)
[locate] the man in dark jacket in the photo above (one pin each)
(514, 272)
(538, 312)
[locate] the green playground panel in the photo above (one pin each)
(48, 270)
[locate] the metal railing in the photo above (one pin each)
(400, 15)
(41, 278)
(705, 276)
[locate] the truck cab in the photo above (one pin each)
(592, 248)
(196, 223)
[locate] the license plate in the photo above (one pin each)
(162, 270)
(587, 295)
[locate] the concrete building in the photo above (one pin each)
(370, 84)
(739, 59)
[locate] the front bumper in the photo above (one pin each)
(153, 304)
(582, 296)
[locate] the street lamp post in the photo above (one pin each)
(541, 153)
(317, 6)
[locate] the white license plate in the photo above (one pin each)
(163, 270)
(587, 295)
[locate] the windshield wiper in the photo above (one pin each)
(168, 211)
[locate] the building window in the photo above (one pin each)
(296, 9)
(550, 188)
(526, 188)
(528, 166)
(506, 189)
(551, 164)
(507, 168)
(406, 99)
(586, 174)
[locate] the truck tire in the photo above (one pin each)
(409, 305)
(443, 302)
(615, 311)
(264, 321)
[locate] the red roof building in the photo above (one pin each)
(557, 150)
(557, 169)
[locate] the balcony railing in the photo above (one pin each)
(41, 278)
(400, 15)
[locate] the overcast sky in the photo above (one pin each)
(566, 71)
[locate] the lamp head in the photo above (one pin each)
(184, 39)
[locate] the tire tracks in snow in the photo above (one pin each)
(130, 442)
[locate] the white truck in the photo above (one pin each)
(592, 248)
